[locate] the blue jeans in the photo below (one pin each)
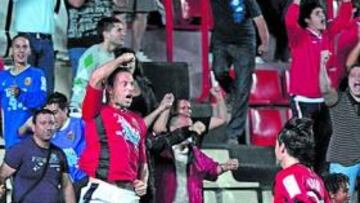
(352, 172)
(322, 128)
(242, 57)
(74, 56)
(43, 57)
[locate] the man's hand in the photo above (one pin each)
(263, 48)
(140, 187)
(2, 191)
(167, 101)
(126, 58)
(216, 92)
(230, 165)
(198, 127)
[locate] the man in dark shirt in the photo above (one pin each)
(37, 166)
(233, 42)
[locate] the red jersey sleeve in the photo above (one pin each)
(294, 30)
(92, 103)
(279, 191)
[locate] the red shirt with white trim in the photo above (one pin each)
(306, 45)
(299, 182)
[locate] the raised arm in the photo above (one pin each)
(353, 56)
(100, 74)
(343, 18)
(293, 28)
(94, 92)
(329, 93)
(218, 109)
(165, 104)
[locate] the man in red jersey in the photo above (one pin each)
(308, 35)
(294, 151)
(114, 156)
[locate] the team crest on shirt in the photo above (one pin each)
(27, 81)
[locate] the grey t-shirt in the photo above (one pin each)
(29, 160)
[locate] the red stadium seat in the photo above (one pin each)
(267, 89)
(265, 124)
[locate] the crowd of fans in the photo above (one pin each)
(112, 141)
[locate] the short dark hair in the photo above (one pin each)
(111, 79)
(41, 111)
(21, 35)
(106, 24)
(59, 99)
(333, 182)
(306, 8)
(298, 137)
(355, 65)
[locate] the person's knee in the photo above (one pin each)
(225, 81)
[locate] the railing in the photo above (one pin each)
(206, 19)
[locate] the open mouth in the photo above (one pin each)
(20, 56)
(129, 96)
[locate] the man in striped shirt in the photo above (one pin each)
(343, 152)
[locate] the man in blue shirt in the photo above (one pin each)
(36, 20)
(69, 135)
(22, 90)
(38, 168)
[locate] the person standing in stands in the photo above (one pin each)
(36, 20)
(82, 33)
(113, 33)
(294, 151)
(68, 135)
(115, 154)
(39, 168)
(233, 42)
(22, 90)
(308, 35)
(137, 11)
